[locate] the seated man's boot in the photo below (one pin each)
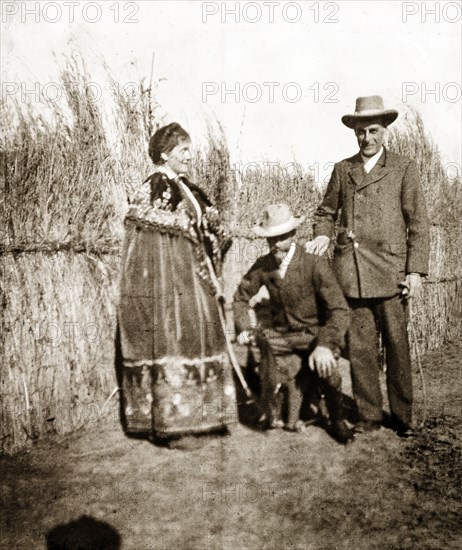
(339, 429)
(294, 404)
(273, 410)
(270, 396)
(342, 432)
(270, 385)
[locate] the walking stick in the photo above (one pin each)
(413, 338)
(229, 345)
(233, 358)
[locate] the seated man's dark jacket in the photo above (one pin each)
(307, 299)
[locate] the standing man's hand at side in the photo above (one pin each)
(411, 286)
(318, 246)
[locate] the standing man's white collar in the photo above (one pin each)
(370, 162)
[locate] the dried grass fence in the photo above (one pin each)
(437, 313)
(67, 174)
(64, 189)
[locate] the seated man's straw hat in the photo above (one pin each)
(277, 219)
(370, 107)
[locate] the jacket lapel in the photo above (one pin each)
(356, 172)
(377, 173)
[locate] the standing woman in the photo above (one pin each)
(176, 374)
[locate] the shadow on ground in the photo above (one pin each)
(85, 533)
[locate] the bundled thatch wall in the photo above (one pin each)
(63, 191)
(58, 330)
(437, 312)
(66, 179)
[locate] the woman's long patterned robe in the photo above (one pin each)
(176, 372)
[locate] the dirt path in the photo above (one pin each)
(251, 490)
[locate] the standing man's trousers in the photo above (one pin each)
(389, 315)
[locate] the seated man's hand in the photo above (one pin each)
(318, 246)
(244, 338)
(411, 286)
(322, 359)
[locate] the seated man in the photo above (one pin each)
(309, 320)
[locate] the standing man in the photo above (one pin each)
(380, 255)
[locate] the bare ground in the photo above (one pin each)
(252, 490)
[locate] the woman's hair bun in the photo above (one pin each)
(165, 139)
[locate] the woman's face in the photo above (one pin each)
(179, 158)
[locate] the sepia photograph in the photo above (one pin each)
(230, 275)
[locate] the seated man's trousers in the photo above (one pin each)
(284, 360)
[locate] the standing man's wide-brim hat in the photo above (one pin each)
(277, 219)
(370, 107)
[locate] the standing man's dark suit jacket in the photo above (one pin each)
(384, 213)
(307, 299)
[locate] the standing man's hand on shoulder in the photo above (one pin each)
(244, 338)
(411, 286)
(318, 246)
